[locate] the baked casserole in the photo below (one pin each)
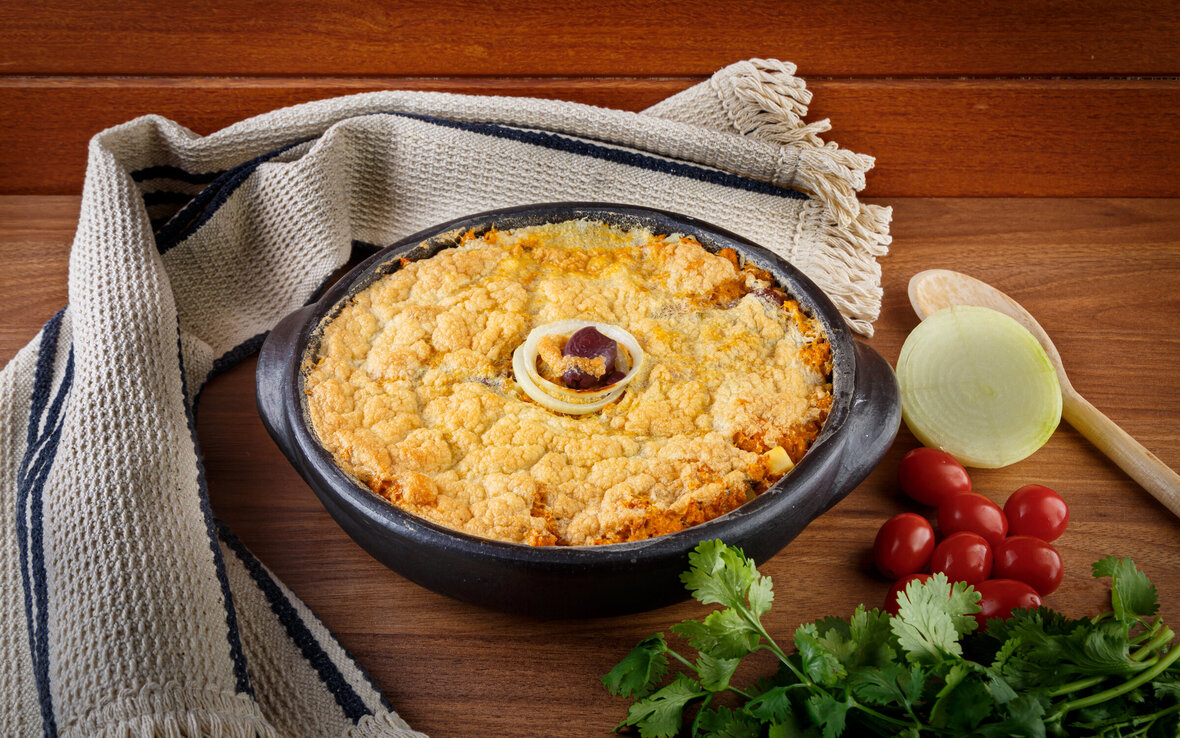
(717, 383)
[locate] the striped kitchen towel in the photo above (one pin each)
(130, 609)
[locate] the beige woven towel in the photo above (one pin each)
(130, 611)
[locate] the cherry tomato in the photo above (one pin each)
(1036, 510)
(972, 512)
(903, 545)
(963, 557)
(899, 587)
(999, 597)
(929, 476)
(1029, 560)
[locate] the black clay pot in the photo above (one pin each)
(583, 580)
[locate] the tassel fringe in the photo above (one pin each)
(169, 711)
(763, 98)
(846, 251)
(383, 725)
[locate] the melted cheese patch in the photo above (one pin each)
(412, 389)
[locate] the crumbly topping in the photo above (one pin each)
(412, 391)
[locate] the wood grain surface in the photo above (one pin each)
(858, 38)
(959, 99)
(1101, 275)
(978, 138)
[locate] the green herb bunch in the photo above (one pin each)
(924, 672)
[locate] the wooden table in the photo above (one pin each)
(1100, 274)
(1083, 108)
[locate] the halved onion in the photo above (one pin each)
(563, 399)
(976, 384)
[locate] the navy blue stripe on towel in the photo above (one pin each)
(629, 157)
(167, 171)
(42, 383)
(350, 702)
(232, 635)
(35, 467)
(205, 203)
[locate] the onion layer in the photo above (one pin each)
(563, 399)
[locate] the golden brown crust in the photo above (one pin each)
(412, 389)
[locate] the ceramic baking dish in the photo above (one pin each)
(580, 580)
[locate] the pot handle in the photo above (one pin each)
(274, 374)
(874, 418)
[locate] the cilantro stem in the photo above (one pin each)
(1156, 624)
(1078, 685)
(1140, 654)
(1138, 720)
(1156, 715)
(888, 718)
(704, 705)
(682, 660)
(1161, 638)
(1127, 686)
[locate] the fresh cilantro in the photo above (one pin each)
(723, 633)
(645, 666)
(722, 575)
(1132, 595)
(932, 616)
(715, 672)
(925, 672)
(723, 722)
(660, 714)
(818, 661)
(829, 713)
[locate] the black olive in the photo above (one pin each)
(588, 343)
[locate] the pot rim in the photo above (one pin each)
(358, 500)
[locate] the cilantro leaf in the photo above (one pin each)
(871, 632)
(715, 672)
(932, 615)
(1132, 595)
(1001, 692)
(825, 710)
(1025, 718)
(640, 670)
(722, 575)
(660, 714)
(772, 706)
(724, 634)
(889, 685)
(962, 703)
(818, 662)
(723, 722)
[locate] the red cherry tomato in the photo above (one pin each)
(999, 597)
(1036, 510)
(903, 545)
(899, 587)
(975, 513)
(1029, 560)
(930, 476)
(963, 557)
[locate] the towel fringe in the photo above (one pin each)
(169, 711)
(383, 725)
(767, 101)
(849, 250)
(187, 724)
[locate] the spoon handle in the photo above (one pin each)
(1140, 464)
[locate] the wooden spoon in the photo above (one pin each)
(934, 289)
